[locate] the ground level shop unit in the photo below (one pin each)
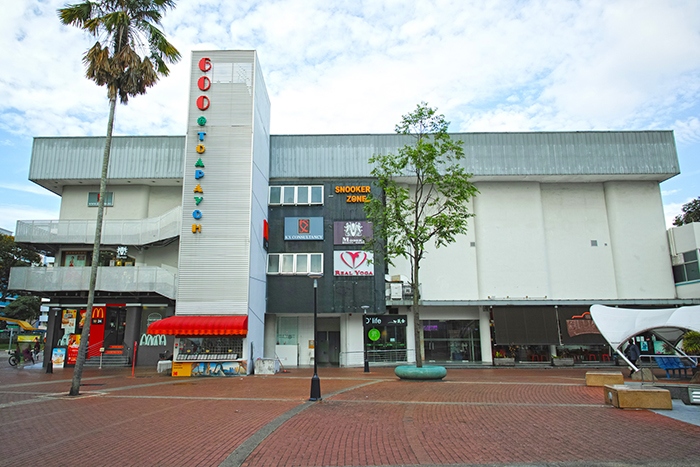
(118, 333)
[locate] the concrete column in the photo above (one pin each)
(133, 328)
(485, 334)
(553, 350)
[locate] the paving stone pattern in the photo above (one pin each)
(490, 416)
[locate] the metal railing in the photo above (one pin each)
(114, 232)
(109, 279)
(377, 357)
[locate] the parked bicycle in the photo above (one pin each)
(14, 358)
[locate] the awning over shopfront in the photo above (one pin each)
(618, 325)
(201, 326)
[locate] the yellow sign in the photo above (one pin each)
(353, 189)
(182, 369)
(29, 338)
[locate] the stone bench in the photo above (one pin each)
(604, 378)
(636, 397)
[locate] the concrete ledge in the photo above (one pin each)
(426, 372)
(630, 397)
(604, 378)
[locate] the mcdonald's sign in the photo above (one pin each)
(98, 315)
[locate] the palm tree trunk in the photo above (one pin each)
(85, 335)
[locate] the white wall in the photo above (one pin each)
(534, 240)
(510, 240)
(163, 198)
(684, 238)
(574, 216)
(638, 236)
(130, 202)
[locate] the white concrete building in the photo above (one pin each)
(198, 240)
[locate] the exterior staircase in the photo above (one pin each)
(113, 357)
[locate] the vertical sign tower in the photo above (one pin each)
(224, 203)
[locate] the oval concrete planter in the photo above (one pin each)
(427, 372)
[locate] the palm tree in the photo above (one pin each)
(124, 29)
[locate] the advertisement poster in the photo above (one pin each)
(351, 232)
(353, 263)
(73, 345)
(209, 368)
(75, 260)
(68, 320)
(303, 228)
(58, 358)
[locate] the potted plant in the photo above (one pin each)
(500, 359)
(563, 360)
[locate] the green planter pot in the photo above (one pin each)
(427, 372)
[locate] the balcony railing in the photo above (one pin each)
(114, 232)
(109, 279)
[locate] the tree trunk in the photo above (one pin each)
(85, 335)
(417, 326)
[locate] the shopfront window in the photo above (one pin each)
(209, 348)
(287, 330)
(451, 340)
(385, 338)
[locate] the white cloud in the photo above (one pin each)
(342, 67)
(10, 214)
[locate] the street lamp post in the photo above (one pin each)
(364, 334)
(315, 382)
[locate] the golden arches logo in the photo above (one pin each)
(98, 312)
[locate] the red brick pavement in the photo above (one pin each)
(474, 416)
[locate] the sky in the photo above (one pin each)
(358, 66)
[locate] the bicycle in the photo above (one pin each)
(14, 358)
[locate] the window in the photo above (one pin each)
(297, 195)
(94, 199)
(294, 263)
(689, 270)
(287, 330)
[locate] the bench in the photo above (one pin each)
(673, 364)
(636, 397)
(603, 378)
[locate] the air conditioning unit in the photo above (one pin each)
(407, 292)
(676, 260)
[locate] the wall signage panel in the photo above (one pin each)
(303, 228)
(353, 263)
(384, 320)
(351, 232)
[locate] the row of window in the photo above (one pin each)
(280, 195)
(94, 199)
(295, 263)
(689, 270)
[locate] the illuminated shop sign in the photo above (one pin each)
(353, 193)
(384, 320)
(303, 228)
(351, 232)
(353, 263)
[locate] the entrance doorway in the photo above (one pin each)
(328, 347)
(115, 326)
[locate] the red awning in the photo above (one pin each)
(201, 326)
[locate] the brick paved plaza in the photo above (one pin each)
(484, 416)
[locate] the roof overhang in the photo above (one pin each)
(618, 325)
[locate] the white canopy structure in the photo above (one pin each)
(617, 325)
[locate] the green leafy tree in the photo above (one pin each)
(13, 255)
(691, 213)
(26, 308)
(125, 29)
(425, 197)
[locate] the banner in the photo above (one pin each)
(303, 228)
(351, 232)
(73, 346)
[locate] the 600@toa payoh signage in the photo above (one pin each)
(203, 102)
